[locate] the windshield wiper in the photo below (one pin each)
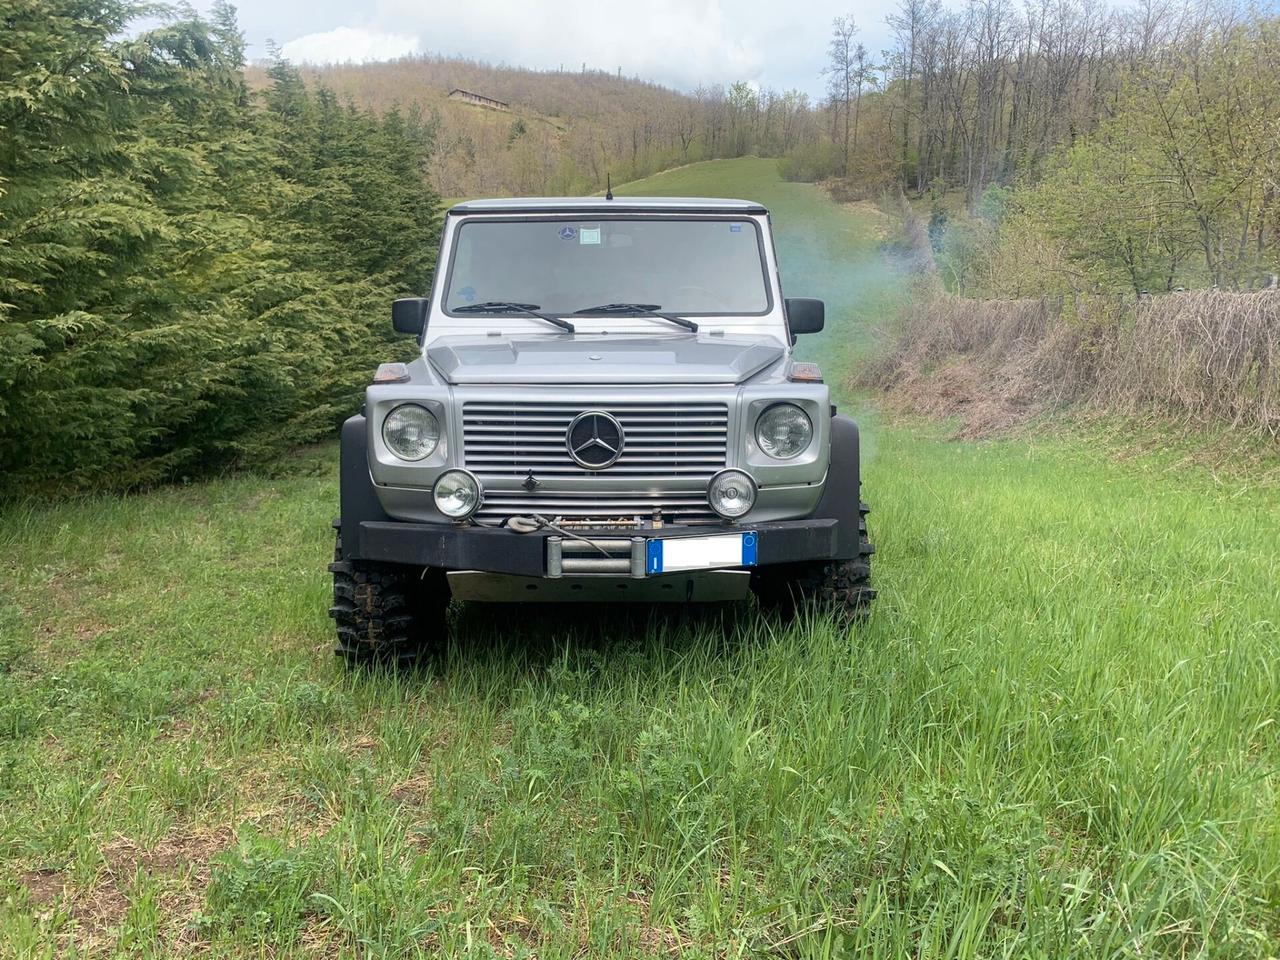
(642, 310)
(504, 306)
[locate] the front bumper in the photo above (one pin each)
(492, 550)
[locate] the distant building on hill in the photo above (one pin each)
(477, 100)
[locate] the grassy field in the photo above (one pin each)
(1056, 736)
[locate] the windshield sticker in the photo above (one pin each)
(468, 294)
(589, 235)
(568, 233)
(735, 228)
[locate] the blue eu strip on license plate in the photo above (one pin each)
(702, 553)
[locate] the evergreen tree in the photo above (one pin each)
(187, 279)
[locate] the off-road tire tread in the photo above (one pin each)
(841, 587)
(385, 613)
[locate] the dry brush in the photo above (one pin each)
(1205, 357)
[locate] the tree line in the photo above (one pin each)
(191, 276)
(1068, 146)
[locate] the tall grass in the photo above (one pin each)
(1206, 357)
(1054, 737)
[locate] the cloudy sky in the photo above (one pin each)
(680, 43)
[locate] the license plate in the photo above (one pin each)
(701, 553)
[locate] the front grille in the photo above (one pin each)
(670, 451)
(662, 440)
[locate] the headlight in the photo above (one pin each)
(784, 431)
(457, 494)
(411, 432)
(731, 494)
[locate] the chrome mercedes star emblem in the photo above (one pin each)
(594, 440)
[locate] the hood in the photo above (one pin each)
(676, 358)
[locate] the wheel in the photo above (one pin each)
(386, 612)
(842, 587)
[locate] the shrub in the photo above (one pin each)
(810, 162)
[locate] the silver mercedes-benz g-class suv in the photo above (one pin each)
(605, 407)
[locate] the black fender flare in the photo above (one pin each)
(357, 497)
(842, 495)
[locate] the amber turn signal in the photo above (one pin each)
(804, 372)
(391, 373)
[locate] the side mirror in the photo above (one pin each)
(804, 314)
(409, 314)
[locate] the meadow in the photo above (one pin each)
(1054, 736)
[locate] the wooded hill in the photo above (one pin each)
(562, 133)
(565, 130)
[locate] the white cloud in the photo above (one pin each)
(349, 45)
(680, 42)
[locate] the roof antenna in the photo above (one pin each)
(608, 189)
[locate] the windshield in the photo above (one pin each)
(689, 266)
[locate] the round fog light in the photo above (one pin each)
(457, 494)
(731, 493)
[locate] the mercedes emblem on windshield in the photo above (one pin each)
(595, 440)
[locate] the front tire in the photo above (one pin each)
(386, 613)
(840, 587)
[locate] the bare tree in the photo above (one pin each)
(862, 75)
(842, 77)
